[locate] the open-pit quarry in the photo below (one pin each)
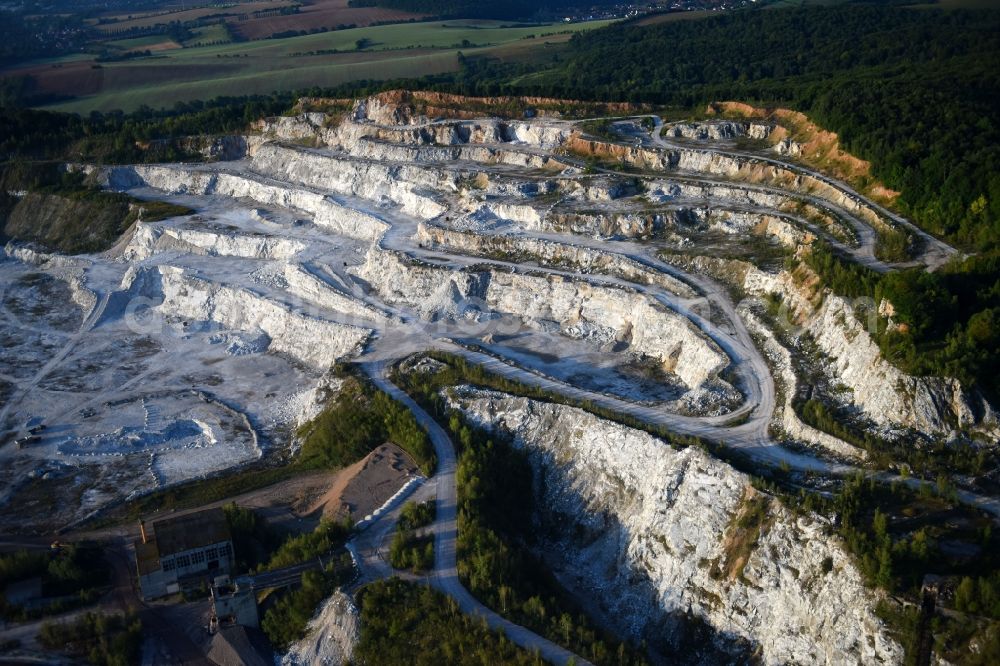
(636, 270)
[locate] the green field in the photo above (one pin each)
(325, 59)
(207, 35)
(126, 89)
(438, 35)
(140, 43)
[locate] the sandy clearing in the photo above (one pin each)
(299, 503)
(367, 484)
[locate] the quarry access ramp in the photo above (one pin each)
(444, 576)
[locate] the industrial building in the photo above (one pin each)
(233, 604)
(183, 552)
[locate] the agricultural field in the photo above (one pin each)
(258, 19)
(320, 13)
(119, 22)
(210, 34)
(173, 74)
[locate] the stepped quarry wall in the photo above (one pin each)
(217, 243)
(373, 120)
(325, 211)
(719, 130)
(551, 253)
(886, 395)
(784, 415)
(602, 314)
(743, 169)
(71, 270)
(304, 284)
(401, 184)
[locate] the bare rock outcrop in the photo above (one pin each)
(720, 130)
(604, 314)
(175, 292)
(552, 253)
(651, 533)
(331, 636)
(325, 211)
(886, 395)
(784, 414)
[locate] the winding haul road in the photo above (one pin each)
(934, 252)
(744, 429)
(444, 576)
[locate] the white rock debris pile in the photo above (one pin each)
(331, 636)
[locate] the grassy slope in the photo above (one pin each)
(395, 51)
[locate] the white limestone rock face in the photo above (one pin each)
(720, 130)
(71, 270)
(603, 314)
(304, 283)
(784, 415)
(289, 331)
(787, 148)
(649, 532)
(331, 636)
(433, 291)
(250, 246)
(650, 329)
(885, 394)
(739, 168)
(405, 185)
(305, 126)
(551, 252)
(325, 211)
(748, 169)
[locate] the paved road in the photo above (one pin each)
(445, 574)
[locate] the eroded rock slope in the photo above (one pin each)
(652, 533)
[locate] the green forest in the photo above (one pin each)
(359, 419)
(410, 548)
(405, 623)
(72, 577)
(102, 640)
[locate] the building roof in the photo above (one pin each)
(192, 530)
(147, 559)
(239, 646)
